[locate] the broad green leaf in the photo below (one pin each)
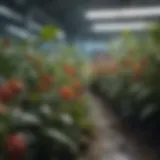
(49, 32)
(61, 138)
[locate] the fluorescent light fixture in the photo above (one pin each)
(123, 13)
(18, 32)
(7, 12)
(114, 27)
(35, 26)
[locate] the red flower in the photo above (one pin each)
(16, 86)
(6, 94)
(66, 93)
(69, 70)
(45, 83)
(48, 79)
(16, 146)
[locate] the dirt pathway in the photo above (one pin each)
(110, 143)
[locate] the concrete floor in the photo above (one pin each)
(111, 144)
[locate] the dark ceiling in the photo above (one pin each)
(69, 13)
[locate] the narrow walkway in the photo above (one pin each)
(110, 143)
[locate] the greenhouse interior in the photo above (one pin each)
(79, 80)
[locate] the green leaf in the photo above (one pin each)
(66, 119)
(143, 94)
(148, 111)
(34, 97)
(61, 138)
(49, 32)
